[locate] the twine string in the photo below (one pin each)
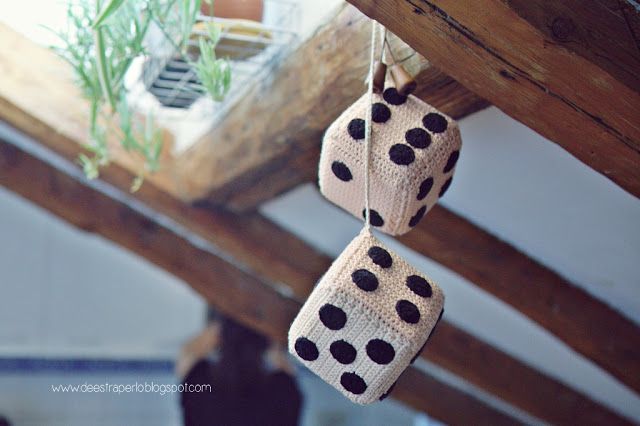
(368, 117)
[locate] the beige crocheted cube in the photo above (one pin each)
(414, 151)
(366, 321)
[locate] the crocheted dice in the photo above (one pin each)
(366, 321)
(414, 150)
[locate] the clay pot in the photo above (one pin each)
(235, 9)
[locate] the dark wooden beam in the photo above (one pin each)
(568, 69)
(242, 162)
(570, 313)
(228, 288)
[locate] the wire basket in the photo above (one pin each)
(167, 85)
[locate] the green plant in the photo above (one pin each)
(100, 43)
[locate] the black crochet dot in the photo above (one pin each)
(419, 285)
(364, 279)
(451, 162)
(306, 349)
(353, 383)
(341, 171)
(417, 138)
(392, 96)
(380, 257)
(407, 311)
(418, 216)
(388, 392)
(434, 122)
(356, 128)
(380, 352)
(380, 113)
(401, 154)
(425, 188)
(445, 187)
(332, 317)
(343, 352)
(374, 218)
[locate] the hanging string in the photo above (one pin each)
(369, 113)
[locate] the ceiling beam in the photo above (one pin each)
(568, 312)
(570, 69)
(222, 284)
(243, 161)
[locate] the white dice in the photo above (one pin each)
(414, 151)
(366, 321)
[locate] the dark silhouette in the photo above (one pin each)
(243, 391)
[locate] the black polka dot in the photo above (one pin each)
(419, 285)
(306, 349)
(332, 317)
(418, 216)
(434, 122)
(380, 113)
(364, 279)
(417, 138)
(401, 154)
(356, 128)
(425, 188)
(380, 257)
(380, 352)
(407, 311)
(341, 171)
(374, 218)
(451, 162)
(353, 383)
(343, 352)
(388, 392)
(445, 187)
(392, 96)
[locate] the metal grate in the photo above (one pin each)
(170, 78)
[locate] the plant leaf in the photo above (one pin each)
(106, 12)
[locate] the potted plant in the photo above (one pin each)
(101, 42)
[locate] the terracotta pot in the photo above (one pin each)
(235, 9)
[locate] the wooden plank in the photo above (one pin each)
(419, 391)
(569, 69)
(570, 313)
(232, 291)
(242, 162)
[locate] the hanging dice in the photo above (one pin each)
(414, 151)
(366, 321)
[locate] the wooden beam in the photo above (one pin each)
(419, 391)
(229, 289)
(568, 69)
(570, 313)
(242, 161)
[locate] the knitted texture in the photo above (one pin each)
(366, 320)
(414, 150)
